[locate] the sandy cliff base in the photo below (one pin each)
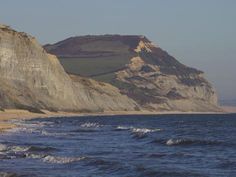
(10, 114)
(229, 109)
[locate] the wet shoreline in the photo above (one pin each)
(14, 114)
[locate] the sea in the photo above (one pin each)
(121, 146)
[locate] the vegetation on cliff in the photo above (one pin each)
(140, 69)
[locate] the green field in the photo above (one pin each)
(100, 68)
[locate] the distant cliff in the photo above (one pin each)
(32, 79)
(140, 69)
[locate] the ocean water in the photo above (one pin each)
(117, 146)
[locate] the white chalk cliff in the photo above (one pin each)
(30, 78)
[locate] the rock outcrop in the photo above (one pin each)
(140, 69)
(30, 78)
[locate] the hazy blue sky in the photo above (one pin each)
(199, 33)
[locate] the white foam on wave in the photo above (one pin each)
(28, 127)
(144, 130)
(19, 149)
(90, 125)
(46, 133)
(171, 142)
(137, 131)
(35, 156)
(25, 127)
(3, 147)
(123, 128)
(61, 160)
(14, 149)
(12, 152)
(187, 141)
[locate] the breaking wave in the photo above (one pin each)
(144, 130)
(46, 133)
(90, 125)
(61, 160)
(137, 132)
(3, 147)
(13, 151)
(18, 148)
(178, 142)
(122, 128)
(26, 127)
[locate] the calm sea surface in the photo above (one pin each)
(117, 146)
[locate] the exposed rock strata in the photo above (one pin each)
(150, 76)
(32, 79)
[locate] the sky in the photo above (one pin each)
(199, 33)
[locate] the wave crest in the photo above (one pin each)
(144, 130)
(3, 147)
(90, 125)
(175, 142)
(61, 160)
(140, 133)
(19, 148)
(120, 128)
(137, 132)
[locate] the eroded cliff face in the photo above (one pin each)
(141, 70)
(159, 82)
(32, 79)
(155, 90)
